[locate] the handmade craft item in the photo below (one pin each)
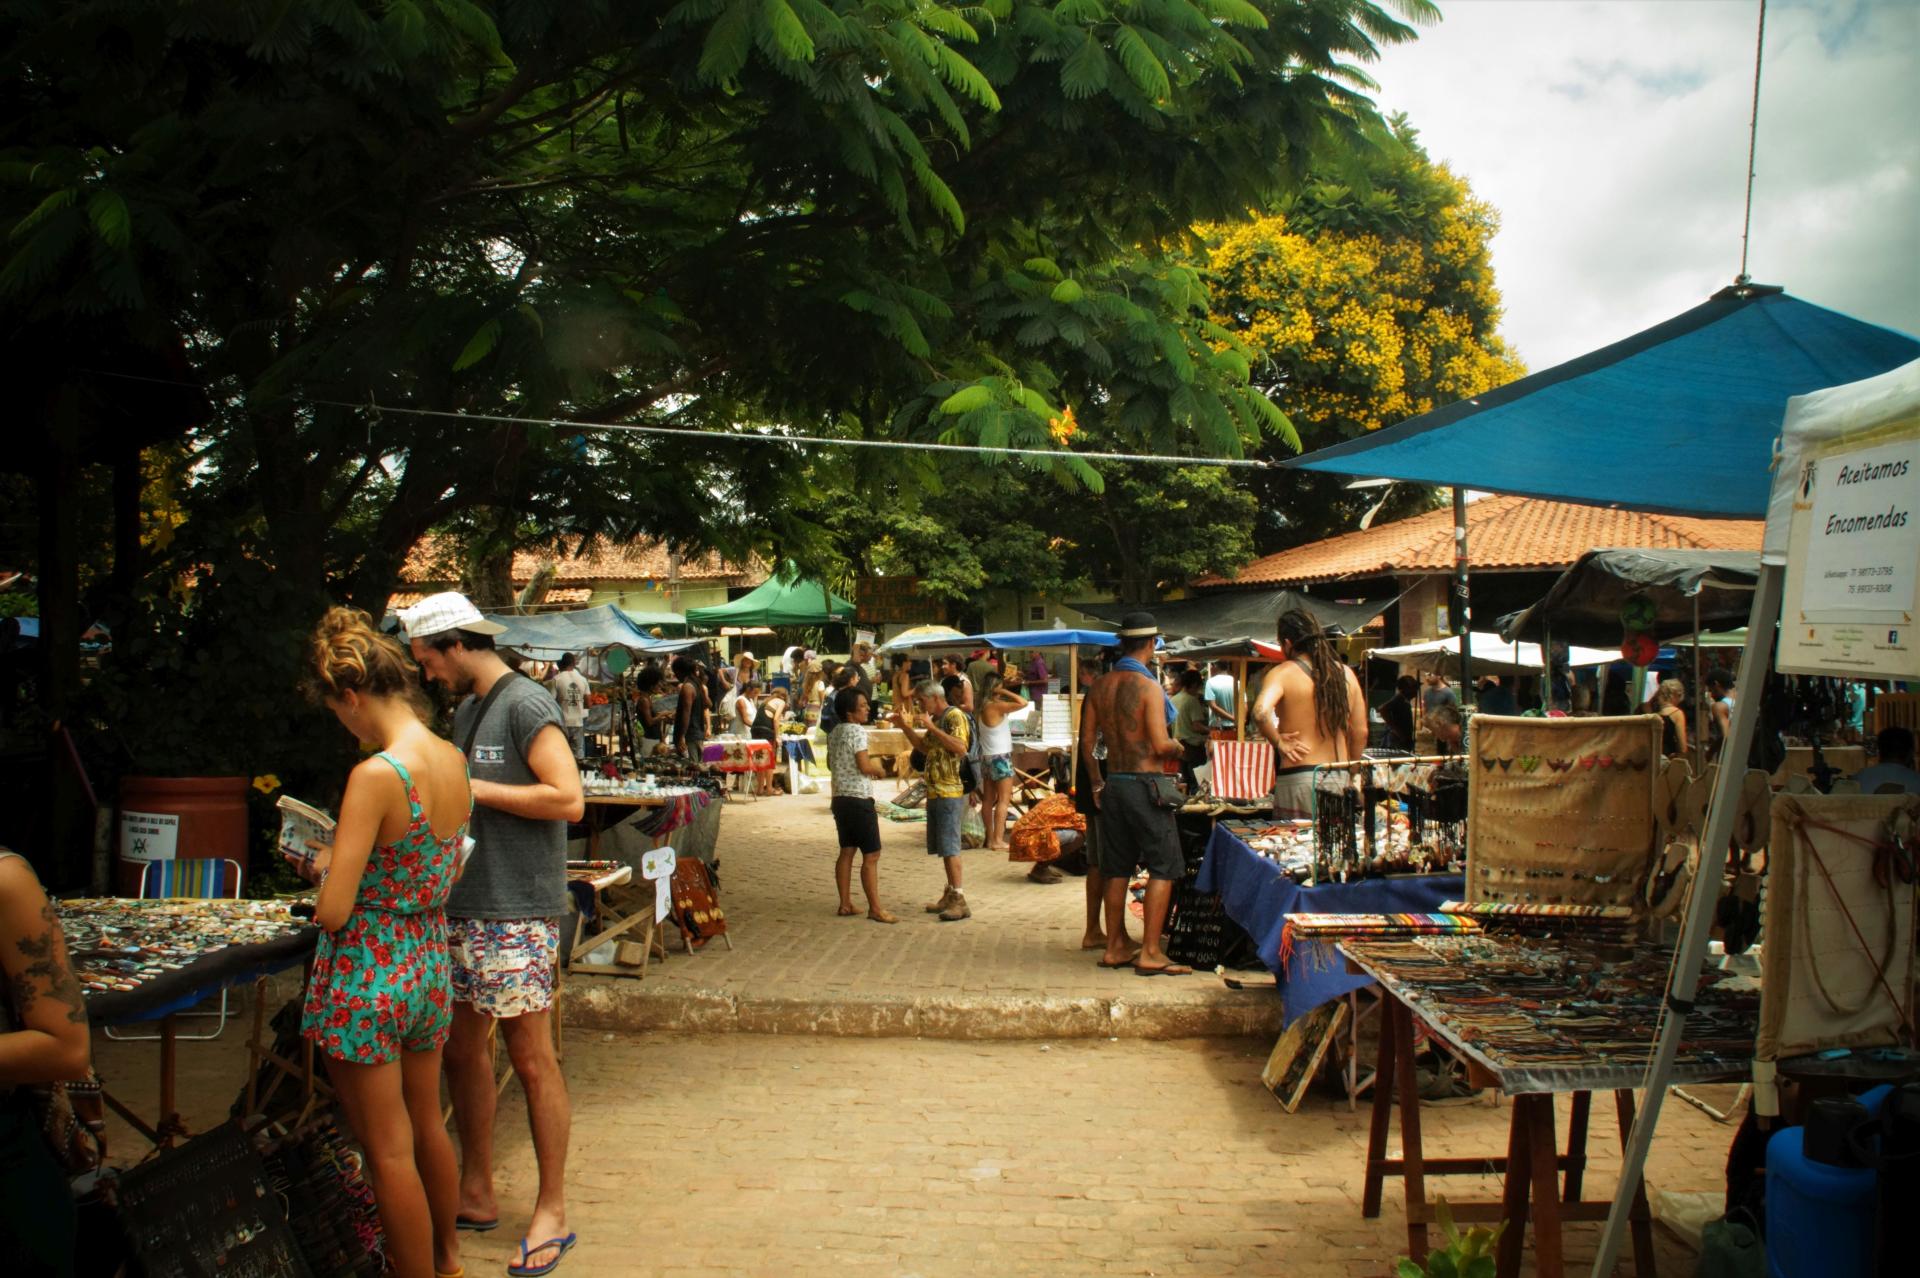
(119, 944)
(1562, 810)
(1838, 964)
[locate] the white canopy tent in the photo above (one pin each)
(1862, 414)
(1491, 655)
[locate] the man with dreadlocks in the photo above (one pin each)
(1311, 708)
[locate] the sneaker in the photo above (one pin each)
(956, 910)
(946, 899)
(1045, 874)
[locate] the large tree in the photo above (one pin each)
(892, 219)
(1367, 297)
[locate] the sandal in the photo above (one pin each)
(521, 1269)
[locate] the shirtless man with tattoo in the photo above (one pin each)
(43, 1039)
(1130, 711)
(1311, 709)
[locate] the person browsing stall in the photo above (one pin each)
(379, 999)
(1190, 724)
(1136, 798)
(1893, 773)
(1003, 699)
(43, 1039)
(501, 916)
(570, 689)
(689, 709)
(942, 733)
(1310, 708)
(854, 819)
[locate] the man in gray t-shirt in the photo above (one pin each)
(503, 936)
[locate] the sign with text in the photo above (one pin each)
(149, 836)
(1853, 560)
(880, 601)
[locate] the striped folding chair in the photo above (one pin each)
(193, 879)
(1242, 770)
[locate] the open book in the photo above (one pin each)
(302, 824)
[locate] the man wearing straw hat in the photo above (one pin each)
(1135, 795)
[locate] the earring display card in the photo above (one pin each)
(209, 1210)
(1561, 810)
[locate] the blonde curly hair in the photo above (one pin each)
(346, 654)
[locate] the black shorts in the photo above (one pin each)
(1136, 832)
(856, 824)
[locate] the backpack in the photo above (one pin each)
(973, 764)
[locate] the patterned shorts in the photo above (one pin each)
(503, 967)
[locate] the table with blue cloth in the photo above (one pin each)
(1258, 896)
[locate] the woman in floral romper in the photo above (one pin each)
(378, 1000)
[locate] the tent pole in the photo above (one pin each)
(1462, 612)
(1547, 688)
(1073, 704)
(1240, 701)
(1704, 896)
(1699, 697)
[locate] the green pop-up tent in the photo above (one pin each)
(776, 603)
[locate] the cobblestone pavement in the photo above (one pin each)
(778, 1155)
(800, 1154)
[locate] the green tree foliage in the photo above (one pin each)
(889, 219)
(1367, 297)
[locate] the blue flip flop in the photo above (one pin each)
(521, 1269)
(477, 1226)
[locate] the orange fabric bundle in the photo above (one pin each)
(1035, 835)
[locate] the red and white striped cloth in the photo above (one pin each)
(1242, 769)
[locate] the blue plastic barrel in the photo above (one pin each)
(1820, 1219)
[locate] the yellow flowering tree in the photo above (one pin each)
(1366, 300)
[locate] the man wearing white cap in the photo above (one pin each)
(502, 929)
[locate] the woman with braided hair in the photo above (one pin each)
(1311, 708)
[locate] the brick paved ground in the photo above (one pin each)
(763, 1155)
(1020, 947)
(787, 1154)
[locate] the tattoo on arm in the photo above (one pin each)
(47, 972)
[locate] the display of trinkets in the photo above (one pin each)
(1388, 816)
(1549, 1014)
(120, 944)
(1288, 844)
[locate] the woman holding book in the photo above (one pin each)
(378, 1001)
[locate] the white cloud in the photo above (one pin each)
(1612, 139)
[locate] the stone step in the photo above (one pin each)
(631, 1006)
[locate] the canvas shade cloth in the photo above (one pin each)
(582, 630)
(776, 603)
(1702, 393)
(1492, 655)
(1222, 614)
(1026, 640)
(910, 640)
(1583, 605)
(1821, 987)
(1552, 798)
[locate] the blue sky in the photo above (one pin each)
(1611, 135)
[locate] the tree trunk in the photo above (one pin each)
(68, 831)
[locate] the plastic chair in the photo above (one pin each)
(192, 879)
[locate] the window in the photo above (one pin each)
(1038, 612)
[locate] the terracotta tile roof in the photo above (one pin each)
(1502, 533)
(435, 559)
(558, 595)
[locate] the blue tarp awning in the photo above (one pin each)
(549, 634)
(1680, 418)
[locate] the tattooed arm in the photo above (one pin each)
(52, 1044)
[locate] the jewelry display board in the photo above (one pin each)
(1553, 1015)
(1560, 811)
(1838, 963)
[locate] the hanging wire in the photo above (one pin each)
(1753, 143)
(724, 437)
(374, 409)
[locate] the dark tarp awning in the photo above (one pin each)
(1225, 614)
(1238, 647)
(546, 635)
(1583, 606)
(1705, 393)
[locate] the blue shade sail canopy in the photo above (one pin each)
(546, 635)
(1679, 418)
(1025, 640)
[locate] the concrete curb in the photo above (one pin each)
(625, 1006)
